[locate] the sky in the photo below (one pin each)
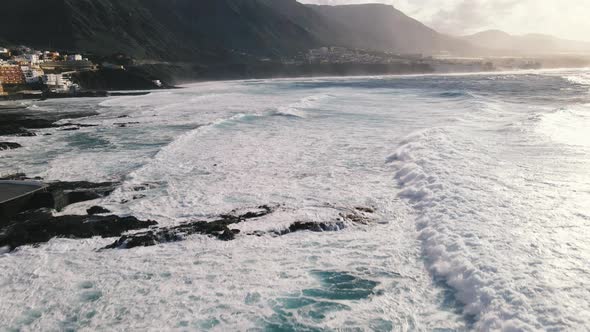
(563, 18)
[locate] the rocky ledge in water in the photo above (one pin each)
(60, 194)
(219, 229)
(9, 146)
(97, 210)
(39, 226)
(222, 230)
(19, 121)
(36, 223)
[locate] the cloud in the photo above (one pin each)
(565, 18)
(470, 16)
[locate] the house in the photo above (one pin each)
(58, 83)
(5, 53)
(51, 56)
(75, 57)
(32, 58)
(10, 74)
(33, 74)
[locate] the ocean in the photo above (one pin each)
(476, 191)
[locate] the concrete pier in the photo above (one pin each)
(14, 195)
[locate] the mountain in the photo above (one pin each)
(531, 44)
(382, 27)
(189, 30)
(204, 31)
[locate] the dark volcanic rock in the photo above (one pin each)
(97, 210)
(81, 125)
(61, 194)
(39, 226)
(18, 121)
(19, 177)
(124, 124)
(365, 209)
(26, 134)
(314, 227)
(218, 229)
(9, 146)
(74, 126)
(261, 211)
(144, 239)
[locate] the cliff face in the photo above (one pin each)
(190, 30)
(209, 31)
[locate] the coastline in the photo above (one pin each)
(184, 84)
(180, 83)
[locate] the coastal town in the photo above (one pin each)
(441, 62)
(27, 73)
(30, 73)
(24, 71)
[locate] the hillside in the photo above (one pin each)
(205, 31)
(531, 44)
(188, 30)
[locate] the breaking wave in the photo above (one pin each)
(298, 109)
(459, 223)
(580, 78)
(567, 126)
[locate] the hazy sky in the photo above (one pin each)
(563, 18)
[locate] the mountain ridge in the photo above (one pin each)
(214, 31)
(527, 44)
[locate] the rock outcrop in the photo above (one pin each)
(39, 226)
(9, 146)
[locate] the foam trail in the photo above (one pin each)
(465, 211)
(486, 229)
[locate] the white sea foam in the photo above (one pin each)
(568, 126)
(481, 216)
(298, 109)
(466, 216)
(581, 78)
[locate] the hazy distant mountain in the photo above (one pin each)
(378, 26)
(214, 30)
(526, 44)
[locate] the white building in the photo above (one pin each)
(32, 74)
(59, 84)
(74, 57)
(32, 58)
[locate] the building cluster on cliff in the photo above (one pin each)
(27, 71)
(441, 62)
(342, 55)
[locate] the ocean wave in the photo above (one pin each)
(567, 125)
(171, 160)
(580, 78)
(425, 166)
(298, 109)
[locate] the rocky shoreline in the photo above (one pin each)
(37, 224)
(23, 122)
